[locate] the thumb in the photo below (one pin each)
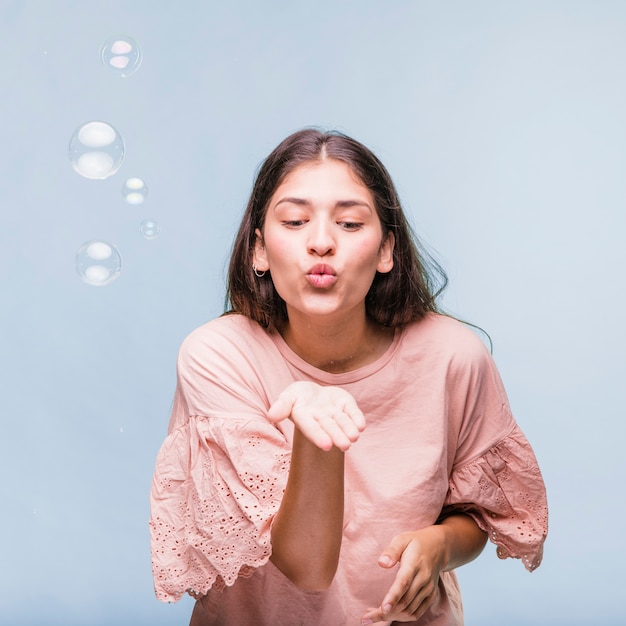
(281, 409)
(392, 553)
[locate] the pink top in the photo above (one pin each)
(439, 437)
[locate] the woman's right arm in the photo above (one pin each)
(307, 529)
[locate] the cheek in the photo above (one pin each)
(369, 252)
(279, 249)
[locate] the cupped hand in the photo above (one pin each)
(420, 555)
(326, 416)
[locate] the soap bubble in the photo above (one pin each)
(96, 150)
(98, 263)
(121, 54)
(150, 229)
(134, 191)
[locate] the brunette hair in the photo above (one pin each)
(398, 297)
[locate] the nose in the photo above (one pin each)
(321, 240)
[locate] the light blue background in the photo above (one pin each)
(503, 124)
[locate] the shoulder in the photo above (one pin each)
(446, 347)
(446, 338)
(226, 337)
(221, 371)
(229, 328)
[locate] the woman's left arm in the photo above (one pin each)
(422, 556)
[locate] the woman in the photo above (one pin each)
(337, 446)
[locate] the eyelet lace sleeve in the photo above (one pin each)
(217, 484)
(504, 492)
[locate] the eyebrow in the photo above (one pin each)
(342, 204)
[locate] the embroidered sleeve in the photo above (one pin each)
(503, 491)
(217, 484)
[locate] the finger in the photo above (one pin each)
(421, 603)
(392, 553)
(330, 425)
(371, 616)
(415, 596)
(281, 408)
(313, 431)
(347, 425)
(351, 409)
(403, 589)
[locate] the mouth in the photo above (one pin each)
(321, 269)
(321, 276)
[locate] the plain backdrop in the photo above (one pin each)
(503, 124)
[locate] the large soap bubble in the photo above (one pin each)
(98, 263)
(96, 150)
(121, 54)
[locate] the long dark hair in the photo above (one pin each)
(407, 293)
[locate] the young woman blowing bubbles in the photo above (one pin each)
(337, 446)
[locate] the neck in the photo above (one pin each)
(337, 346)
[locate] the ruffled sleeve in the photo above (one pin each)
(221, 471)
(504, 492)
(217, 484)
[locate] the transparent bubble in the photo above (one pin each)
(134, 191)
(96, 150)
(150, 229)
(121, 54)
(98, 263)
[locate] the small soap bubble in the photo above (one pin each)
(150, 229)
(96, 150)
(134, 191)
(121, 54)
(98, 263)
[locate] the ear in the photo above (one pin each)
(385, 254)
(259, 257)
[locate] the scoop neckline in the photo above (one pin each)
(344, 377)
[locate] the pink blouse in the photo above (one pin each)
(439, 438)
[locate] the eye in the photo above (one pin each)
(293, 223)
(350, 225)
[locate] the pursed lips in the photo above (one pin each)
(321, 276)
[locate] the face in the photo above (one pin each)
(322, 241)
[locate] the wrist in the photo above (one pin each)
(446, 540)
(463, 540)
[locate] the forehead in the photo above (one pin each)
(323, 177)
